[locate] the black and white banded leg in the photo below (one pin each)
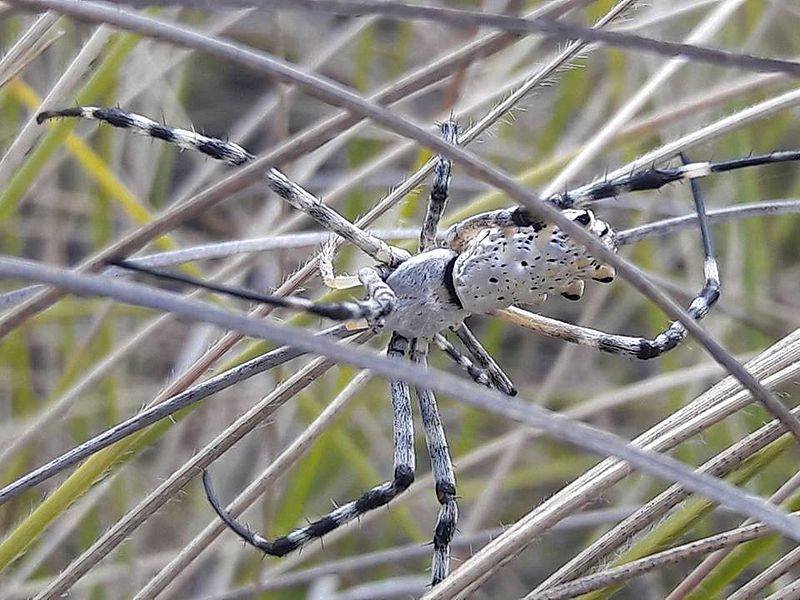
(702, 303)
(331, 220)
(642, 180)
(376, 497)
(236, 155)
(637, 347)
(705, 299)
(437, 200)
(656, 178)
(443, 475)
(478, 375)
(218, 149)
(500, 380)
(379, 303)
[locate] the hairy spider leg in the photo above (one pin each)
(638, 347)
(376, 497)
(228, 152)
(478, 375)
(437, 200)
(500, 380)
(655, 178)
(379, 303)
(642, 180)
(442, 468)
(331, 220)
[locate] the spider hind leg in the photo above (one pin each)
(636, 347)
(704, 300)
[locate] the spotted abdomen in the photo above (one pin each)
(501, 267)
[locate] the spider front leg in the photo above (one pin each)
(379, 303)
(376, 497)
(437, 201)
(218, 149)
(305, 201)
(236, 155)
(443, 474)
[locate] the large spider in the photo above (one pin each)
(489, 262)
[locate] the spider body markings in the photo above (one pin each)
(497, 268)
(501, 267)
(487, 262)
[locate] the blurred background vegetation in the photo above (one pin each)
(70, 189)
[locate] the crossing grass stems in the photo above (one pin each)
(490, 261)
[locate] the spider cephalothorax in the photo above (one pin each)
(487, 262)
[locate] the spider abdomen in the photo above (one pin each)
(522, 265)
(425, 300)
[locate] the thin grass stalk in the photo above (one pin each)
(557, 30)
(720, 466)
(189, 470)
(623, 573)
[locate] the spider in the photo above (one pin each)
(486, 263)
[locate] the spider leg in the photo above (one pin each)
(331, 220)
(653, 179)
(442, 467)
(236, 155)
(478, 374)
(329, 277)
(439, 190)
(374, 498)
(218, 149)
(500, 380)
(379, 303)
(642, 180)
(622, 345)
(641, 348)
